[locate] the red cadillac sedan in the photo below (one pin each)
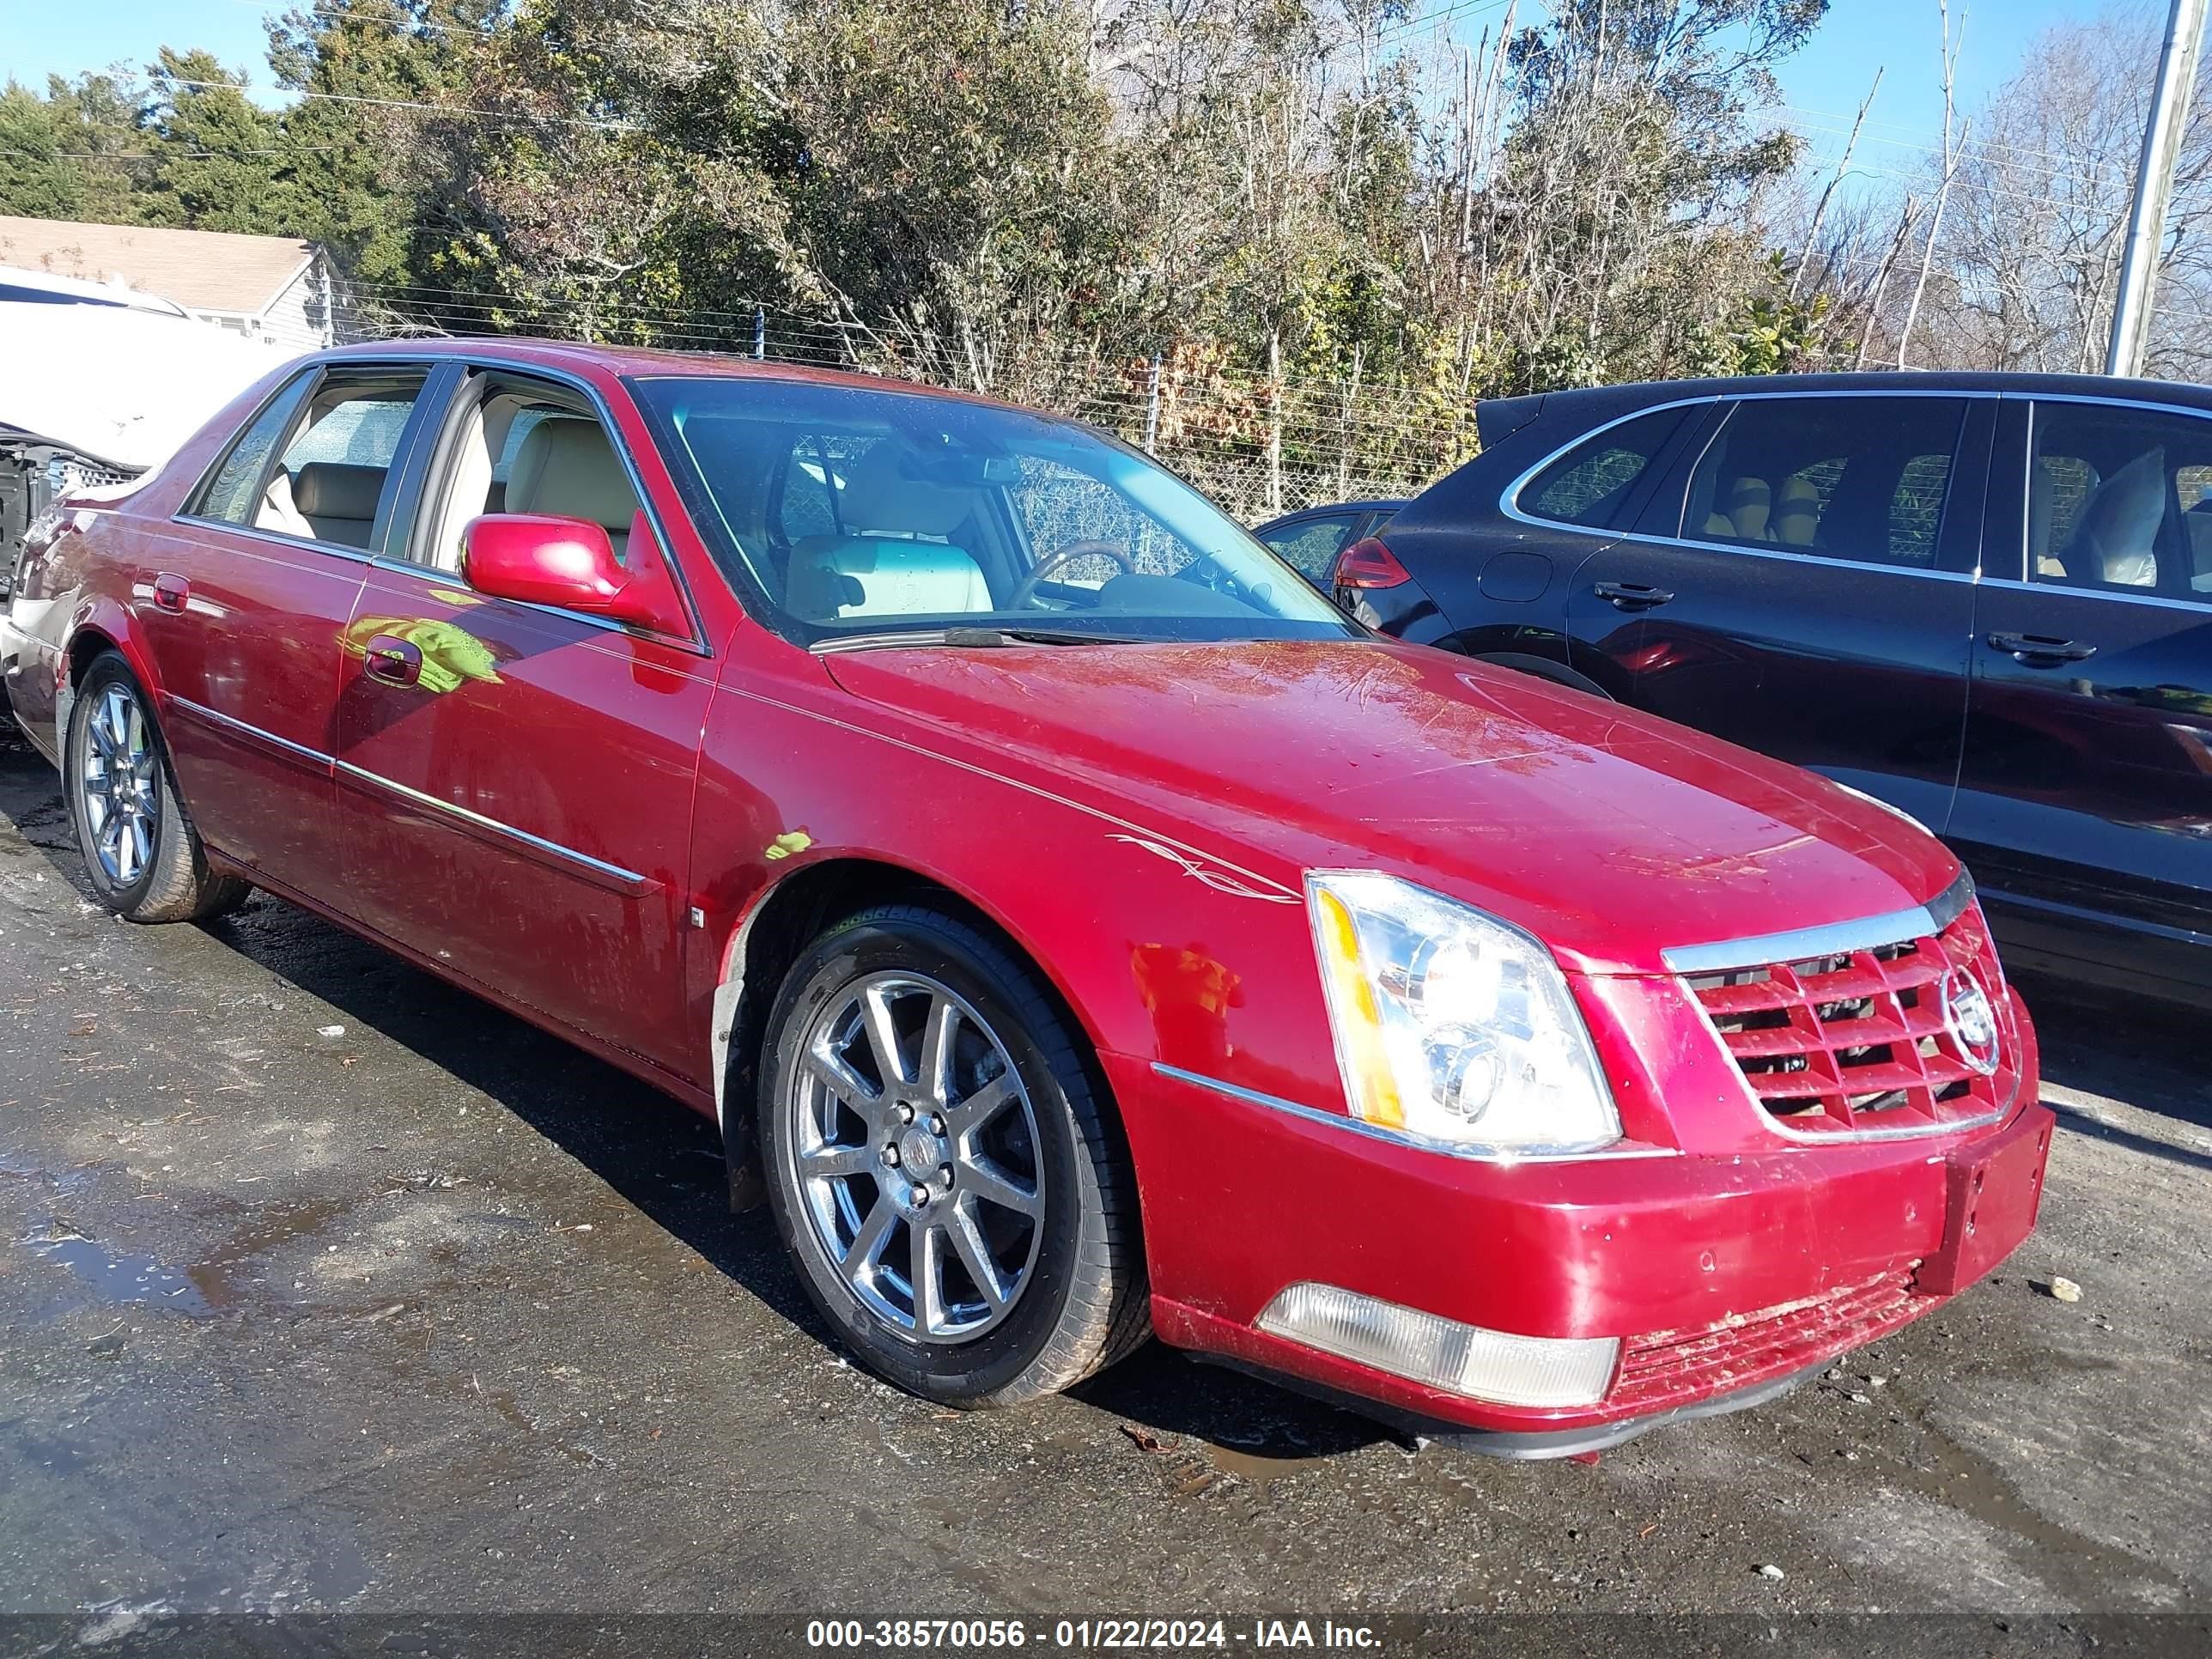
(1077, 927)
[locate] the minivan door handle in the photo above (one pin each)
(2038, 651)
(172, 592)
(1631, 596)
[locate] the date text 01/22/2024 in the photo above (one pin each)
(1089, 1634)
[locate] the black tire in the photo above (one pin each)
(173, 882)
(1083, 1303)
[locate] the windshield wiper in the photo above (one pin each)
(993, 636)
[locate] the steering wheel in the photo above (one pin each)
(1025, 591)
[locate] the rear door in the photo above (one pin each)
(2085, 806)
(1804, 586)
(1496, 568)
(251, 589)
(516, 780)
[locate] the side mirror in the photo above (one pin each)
(541, 559)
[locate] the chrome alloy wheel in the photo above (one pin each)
(915, 1148)
(119, 784)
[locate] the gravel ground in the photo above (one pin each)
(323, 1285)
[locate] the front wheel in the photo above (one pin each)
(140, 849)
(939, 1168)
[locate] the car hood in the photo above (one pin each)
(1608, 834)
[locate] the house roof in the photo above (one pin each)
(200, 270)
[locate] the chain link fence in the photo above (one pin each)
(1257, 445)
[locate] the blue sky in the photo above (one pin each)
(1831, 76)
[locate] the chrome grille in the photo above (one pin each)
(1866, 1039)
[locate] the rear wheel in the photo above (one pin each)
(140, 848)
(939, 1166)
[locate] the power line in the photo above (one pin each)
(448, 110)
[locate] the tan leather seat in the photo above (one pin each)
(338, 500)
(1797, 514)
(567, 468)
(1741, 513)
(893, 559)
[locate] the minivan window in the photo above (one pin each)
(1862, 479)
(860, 514)
(2117, 501)
(1590, 483)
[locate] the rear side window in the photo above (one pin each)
(1310, 546)
(1590, 483)
(1864, 479)
(329, 479)
(233, 495)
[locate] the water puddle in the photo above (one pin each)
(1262, 1465)
(119, 1276)
(1971, 1483)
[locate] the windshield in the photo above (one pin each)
(860, 513)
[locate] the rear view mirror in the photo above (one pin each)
(541, 559)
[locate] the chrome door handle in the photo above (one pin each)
(1632, 596)
(2039, 651)
(392, 661)
(172, 593)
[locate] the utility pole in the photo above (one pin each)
(2161, 148)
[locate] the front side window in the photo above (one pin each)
(864, 512)
(2117, 501)
(1864, 479)
(521, 446)
(1591, 483)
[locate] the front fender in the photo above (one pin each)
(1158, 948)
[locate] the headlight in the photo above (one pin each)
(1453, 1027)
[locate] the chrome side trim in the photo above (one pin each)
(1834, 938)
(216, 717)
(1389, 1137)
(626, 881)
(610, 875)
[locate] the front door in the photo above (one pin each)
(2086, 803)
(248, 595)
(1806, 589)
(517, 780)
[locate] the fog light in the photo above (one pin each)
(1443, 1353)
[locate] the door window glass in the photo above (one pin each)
(1312, 545)
(1858, 478)
(2117, 501)
(233, 493)
(523, 448)
(331, 477)
(1590, 483)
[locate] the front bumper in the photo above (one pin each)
(1724, 1275)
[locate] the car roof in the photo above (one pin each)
(641, 362)
(1372, 504)
(1984, 381)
